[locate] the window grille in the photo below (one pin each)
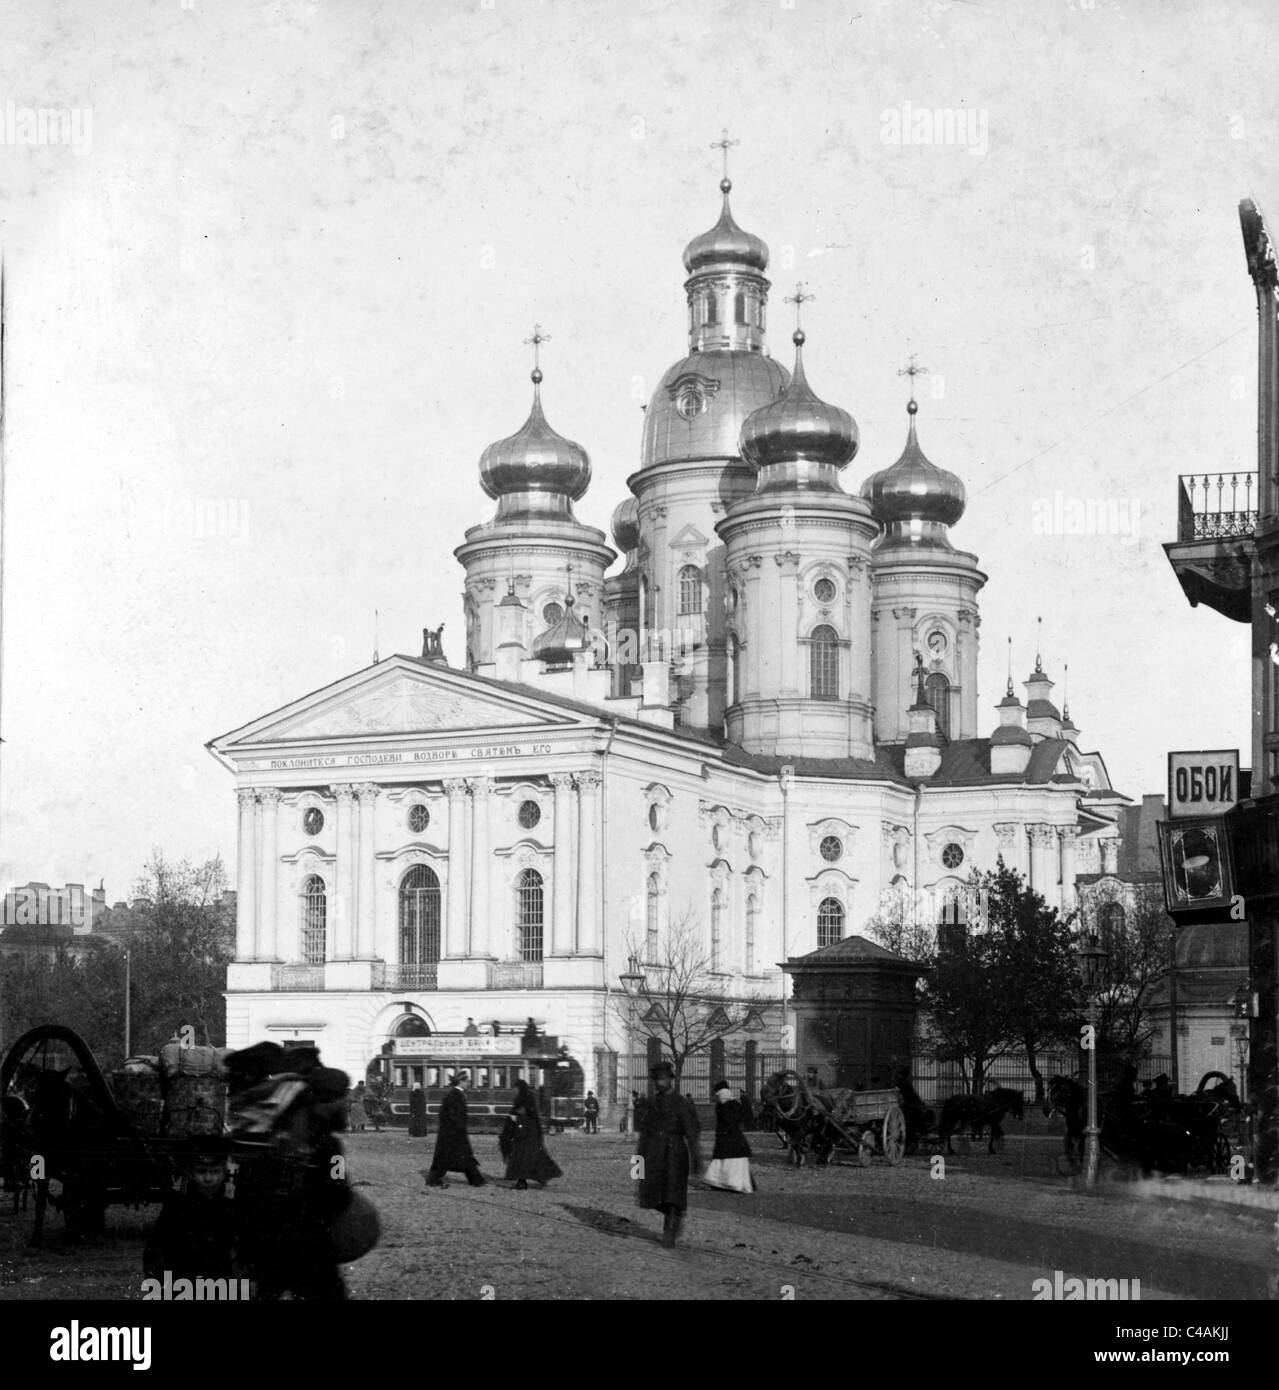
(937, 692)
(830, 922)
(313, 920)
(420, 917)
(530, 914)
(690, 590)
(824, 663)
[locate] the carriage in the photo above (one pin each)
(67, 1136)
(860, 1124)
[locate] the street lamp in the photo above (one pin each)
(632, 981)
(1092, 966)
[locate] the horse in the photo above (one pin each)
(986, 1110)
(1066, 1097)
(784, 1109)
(919, 1118)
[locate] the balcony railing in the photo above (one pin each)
(391, 976)
(1216, 506)
(515, 975)
(308, 977)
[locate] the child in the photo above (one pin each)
(194, 1235)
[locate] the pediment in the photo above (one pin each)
(690, 538)
(400, 701)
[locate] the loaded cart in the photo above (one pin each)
(83, 1142)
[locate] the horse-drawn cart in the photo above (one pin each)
(67, 1137)
(864, 1124)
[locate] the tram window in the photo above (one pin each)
(432, 1076)
(499, 1078)
(401, 1077)
(417, 1076)
(482, 1078)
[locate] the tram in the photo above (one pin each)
(495, 1064)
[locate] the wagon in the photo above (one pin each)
(67, 1136)
(865, 1123)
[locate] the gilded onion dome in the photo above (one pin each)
(535, 469)
(625, 525)
(798, 439)
(726, 245)
(562, 641)
(914, 498)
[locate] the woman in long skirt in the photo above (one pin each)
(521, 1143)
(730, 1165)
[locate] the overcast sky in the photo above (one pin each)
(283, 272)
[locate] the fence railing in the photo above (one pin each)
(1215, 506)
(297, 977)
(393, 976)
(935, 1078)
(518, 974)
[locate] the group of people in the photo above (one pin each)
(520, 1141)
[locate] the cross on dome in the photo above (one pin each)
(912, 370)
(537, 340)
(799, 299)
(725, 144)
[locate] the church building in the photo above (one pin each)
(755, 725)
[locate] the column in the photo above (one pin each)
(1041, 838)
(562, 892)
(588, 887)
(481, 935)
(455, 889)
(787, 607)
(367, 792)
(1068, 834)
(246, 879)
(344, 896)
(268, 897)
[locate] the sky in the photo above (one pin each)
(268, 289)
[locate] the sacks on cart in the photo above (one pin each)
(195, 1105)
(176, 1060)
(138, 1092)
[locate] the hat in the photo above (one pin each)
(662, 1069)
(720, 1085)
(253, 1064)
(327, 1083)
(457, 1078)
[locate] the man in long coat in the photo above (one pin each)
(669, 1134)
(453, 1153)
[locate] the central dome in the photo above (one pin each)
(726, 246)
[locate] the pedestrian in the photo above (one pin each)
(591, 1109)
(730, 1165)
(373, 1104)
(470, 1031)
(194, 1235)
(293, 1192)
(358, 1114)
(453, 1153)
(522, 1145)
(669, 1151)
(417, 1112)
(637, 1104)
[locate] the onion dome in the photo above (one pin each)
(915, 490)
(625, 525)
(535, 459)
(797, 438)
(726, 245)
(565, 637)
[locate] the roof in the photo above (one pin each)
(850, 950)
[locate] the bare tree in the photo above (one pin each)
(681, 998)
(1139, 945)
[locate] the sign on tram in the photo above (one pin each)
(460, 1045)
(1202, 783)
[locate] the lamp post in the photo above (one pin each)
(1092, 965)
(632, 981)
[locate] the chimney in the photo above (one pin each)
(1010, 744)
(510, 616)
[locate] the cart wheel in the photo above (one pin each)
(894, 1134)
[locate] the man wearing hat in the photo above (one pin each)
(194, 1235)
(669, 1135)
(453, 1153)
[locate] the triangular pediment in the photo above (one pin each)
(394, 698)
(690, 538)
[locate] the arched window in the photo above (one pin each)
(420, 917)
(653, 908)
(830, 922)
(752, 930)
(937, 692)
(314, 916)
(1111, 920)
(529, 910)
(823, 663)
(717, 926)
(690, 590)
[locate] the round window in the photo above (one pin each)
(824, 590)
(952, 856)
(831, 848)
(313, 820)
(419, 819)
(530, 813)
(552, 613)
